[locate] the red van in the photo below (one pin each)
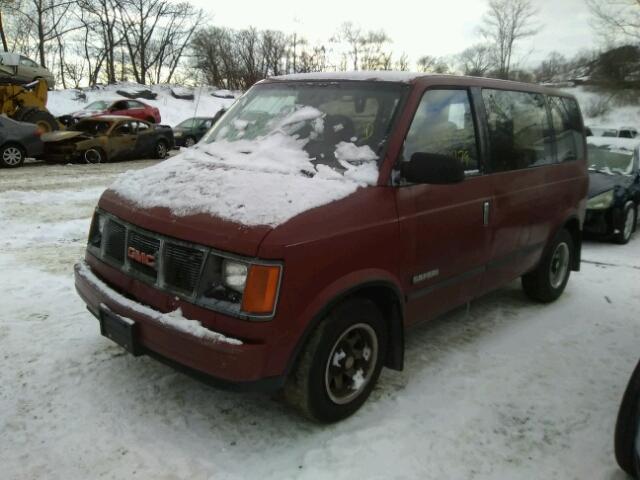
(324, 214)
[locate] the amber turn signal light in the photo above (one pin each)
(261, 290)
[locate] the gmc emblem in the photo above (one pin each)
(141, 257)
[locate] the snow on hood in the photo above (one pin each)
(265, 181)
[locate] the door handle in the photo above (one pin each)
(485, 212)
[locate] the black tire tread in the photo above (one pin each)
(627, 424)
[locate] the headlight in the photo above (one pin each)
(96, 230)
(234, 275)
(240, 288)
(601, 202)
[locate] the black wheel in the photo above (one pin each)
(341, 362)
(12, 155)
(162, 149)
(627, 226)
(94, 155)
(547, 282)
(43, 119)
(189, 142)
(627, 425)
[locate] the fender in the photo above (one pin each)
(349, 285)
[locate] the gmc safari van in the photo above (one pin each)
(324, 214)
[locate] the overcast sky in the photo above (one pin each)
(427, 27)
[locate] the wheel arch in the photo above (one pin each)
(387, 296)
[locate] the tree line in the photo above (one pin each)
(164, 41)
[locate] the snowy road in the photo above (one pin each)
(508, 390)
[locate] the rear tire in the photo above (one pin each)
(547, 282)
(162, 149)
(12, 155)
(341, 362)
(627, 424)
(628, 225)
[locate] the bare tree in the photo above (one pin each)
(431, 64)
(476, 60)
(506, 23)
(616, 18)
(352, 36)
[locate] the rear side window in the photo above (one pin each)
(134, 104)
(567, 125)
(519, 130)
(443, 124)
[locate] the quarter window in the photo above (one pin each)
(443, 124)
(519, 130)
(565, 116)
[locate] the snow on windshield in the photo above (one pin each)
(262, 181)
(611, 155)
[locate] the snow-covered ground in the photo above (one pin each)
(172, 110)
(506, 390)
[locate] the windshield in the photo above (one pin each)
(92, 126)
(99, 105)
(333, 121)
(606, 159)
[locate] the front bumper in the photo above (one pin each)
(602, 222)
(186, 345)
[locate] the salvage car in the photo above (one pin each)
(325, 213)
(106, 139)
(190, 131)
(614, 188)
(24, 70)
(18, 140)
(128, 108)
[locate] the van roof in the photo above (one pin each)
(414, 77)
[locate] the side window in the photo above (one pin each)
(142, 127)
(519, 130)
(125, 129)
(567, 126)
(133, 104)
(443, 124)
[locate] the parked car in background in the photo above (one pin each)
(626, 440)
(106, 139)
(323, 214)
(25, 70)
(622, 132)
(18, 140)
(127, 108)
(190, 131)
(614, 187)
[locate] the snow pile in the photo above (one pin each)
(265, 181)
(173, 319)
(172, 110)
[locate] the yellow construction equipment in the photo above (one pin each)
(26, 103)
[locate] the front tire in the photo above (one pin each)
(12, 156)
(341, 362)
(627, 424)
(189, 142)
(162, 150)
(94, 155)
(628, 226)
(547, 282)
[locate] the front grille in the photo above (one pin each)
(168, 264)
(147, 245)
(114, 241)
(182, 267)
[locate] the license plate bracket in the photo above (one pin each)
(119, 329)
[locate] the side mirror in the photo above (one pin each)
(432, 168)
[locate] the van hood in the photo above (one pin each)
(226, 189)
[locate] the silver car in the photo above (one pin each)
(24, 70)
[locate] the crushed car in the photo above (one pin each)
(614, 188)
(106, 139)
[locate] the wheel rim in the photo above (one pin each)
(559, 265)
(351, 363)
(162, 150)
(189, 142)
(92, 156)
(12, 156)
(628, 224)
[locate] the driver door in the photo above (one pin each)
(123, 140)
(444, 229)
